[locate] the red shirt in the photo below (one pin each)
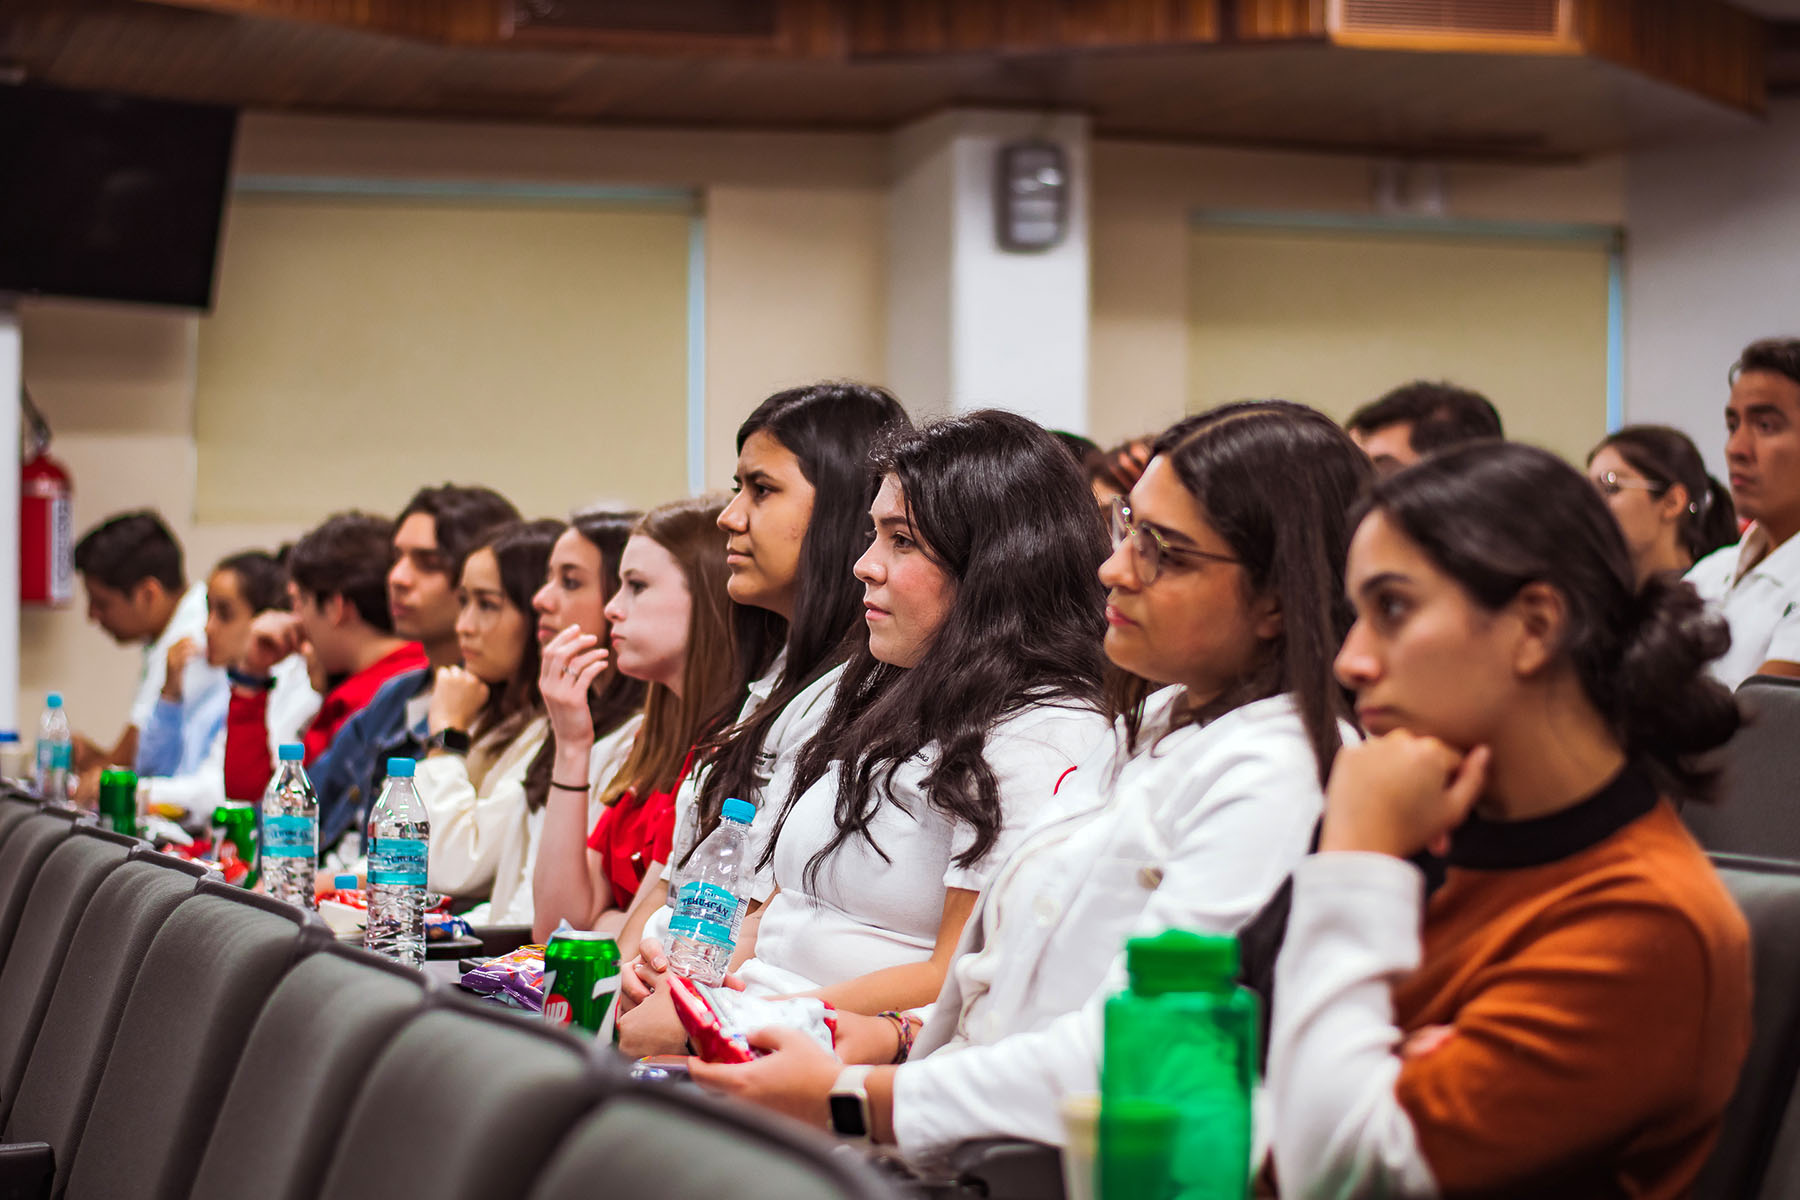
(248, 766)
(631, 834)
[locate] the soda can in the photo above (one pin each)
(118, 800)
(581, 981)
(234, 841)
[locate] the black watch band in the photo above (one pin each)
(249, 682)
(453, 741)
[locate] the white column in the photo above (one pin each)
(11, 381)
(971, 325)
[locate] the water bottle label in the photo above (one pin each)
(706, 912)
(397, 862)
(54, 756)
(288, 837)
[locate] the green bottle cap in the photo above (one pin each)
(1179, 961)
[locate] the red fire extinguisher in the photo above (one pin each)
(46, 518)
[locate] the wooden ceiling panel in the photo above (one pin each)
(1295, 90)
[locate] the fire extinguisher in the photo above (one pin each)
(46, 518)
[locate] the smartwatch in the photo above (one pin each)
(453, 741)
(850, 1104)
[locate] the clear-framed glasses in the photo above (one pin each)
(1148, 547)
(1611, 483)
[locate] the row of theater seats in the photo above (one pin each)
(163, 1035)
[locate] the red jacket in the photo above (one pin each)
(248, 766)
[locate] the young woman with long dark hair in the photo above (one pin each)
(1225, 588)
(977, 687)
(793, 530)
(1566, 1014)
(580, 574)
(487, 724)
(669, 626)
(1672, 513)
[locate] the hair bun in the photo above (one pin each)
(1668, 702)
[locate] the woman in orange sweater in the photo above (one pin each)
(1567, 1013)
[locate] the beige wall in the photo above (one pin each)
(796, 285)
(1144, 199)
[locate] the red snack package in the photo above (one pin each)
(719, 1021)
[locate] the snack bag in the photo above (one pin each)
(515, 978)
(720, 1020)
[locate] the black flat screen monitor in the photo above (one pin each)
(107, 197)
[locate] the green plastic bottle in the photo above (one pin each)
(1177, 1071)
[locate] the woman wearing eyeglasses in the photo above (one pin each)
(1672, 513)
(1225, 585)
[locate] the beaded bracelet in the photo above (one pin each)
(904, 1024)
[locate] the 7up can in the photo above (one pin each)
(581, 981)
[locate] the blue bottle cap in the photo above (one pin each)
(292, 752)
(741, 811)
(401, 767)
(53, 700)
(346, 883)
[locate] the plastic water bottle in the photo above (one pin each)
(55, 751)
(290, 831)
(1177, 1066)
(399, 854)
(710, 906)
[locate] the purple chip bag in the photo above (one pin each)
(515, 978)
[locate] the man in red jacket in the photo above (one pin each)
(338, 581)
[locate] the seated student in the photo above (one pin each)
(594, 710)
(1226, 588)
(487, 725)
(1566, 1014)
(1755, 584)
(670, 627)
(793, 532)
(336, 580)
(1670, 510)
(1420, 418)
(436, 530)
(137, 592)
(186, 738)
(978, 687)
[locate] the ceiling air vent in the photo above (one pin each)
(1456, 24)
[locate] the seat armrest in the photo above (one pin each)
(1009, 1169)
(26, 1170)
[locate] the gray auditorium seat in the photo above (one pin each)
(1768, 891)
(208, 974)
(653, 1141)
(463, 1104)
(307, 1057)
(65, 883)
(1758, 811)
(20, 857)
(12, 811)
(76, 1034)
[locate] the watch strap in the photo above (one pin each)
(249, 682)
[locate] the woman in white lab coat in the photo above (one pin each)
(1226, 583)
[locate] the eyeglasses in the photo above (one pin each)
(1611, 484)
(1148, 546)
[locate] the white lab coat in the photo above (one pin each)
(1194, 833)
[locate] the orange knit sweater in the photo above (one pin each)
(1601, 1006)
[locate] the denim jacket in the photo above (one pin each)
(349, 775)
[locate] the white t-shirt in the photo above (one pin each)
(775, 761)
(1760, 603)
(189, 621)
(864, 913)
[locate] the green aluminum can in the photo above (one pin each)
(118, 801)
(581, 981)
(234, 824)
